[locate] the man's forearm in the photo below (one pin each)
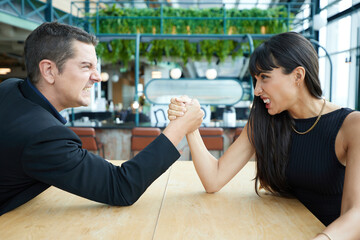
(175, 132)
(138, 173)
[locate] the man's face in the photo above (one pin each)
(79, 74)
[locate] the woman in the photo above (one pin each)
(304, 146)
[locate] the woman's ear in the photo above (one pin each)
(48, 70)
(299, 75)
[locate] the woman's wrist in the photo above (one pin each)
(323, 236)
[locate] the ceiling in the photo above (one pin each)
(11, 44)
(11, 50)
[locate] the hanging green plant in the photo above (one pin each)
(115, 20)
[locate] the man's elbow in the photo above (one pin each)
(124, 202)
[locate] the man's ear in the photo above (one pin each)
(48, 70)
(299, 75)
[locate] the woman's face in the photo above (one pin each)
(277, 90)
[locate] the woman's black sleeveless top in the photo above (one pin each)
(314, 173)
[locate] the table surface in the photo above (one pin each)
(175, 206)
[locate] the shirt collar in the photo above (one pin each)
(52, 108)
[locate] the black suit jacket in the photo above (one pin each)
(37, 151)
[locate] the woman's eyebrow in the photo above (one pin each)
(264, 72)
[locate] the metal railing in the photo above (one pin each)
(34, 11)
(86, 15)
(298, 15)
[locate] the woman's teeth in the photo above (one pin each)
(267, 100)
(87, 89)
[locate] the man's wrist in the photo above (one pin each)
(175, 132)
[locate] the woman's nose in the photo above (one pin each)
(258, 90)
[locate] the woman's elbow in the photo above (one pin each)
(211, 189)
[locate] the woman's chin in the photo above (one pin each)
(271, 112)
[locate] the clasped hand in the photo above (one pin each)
(185, 109)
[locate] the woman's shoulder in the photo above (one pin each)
(347, 119)
(351, 125)
(353, 118)
(332, 108)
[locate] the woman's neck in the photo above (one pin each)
(306, 107)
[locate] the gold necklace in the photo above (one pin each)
(317, 120)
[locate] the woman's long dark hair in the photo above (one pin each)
(271, 134)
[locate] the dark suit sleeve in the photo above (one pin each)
(55, 157)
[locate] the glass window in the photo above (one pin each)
(324, 64)
(224, 91)
(338, 45)
(335, 6)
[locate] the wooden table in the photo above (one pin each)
(174, 207)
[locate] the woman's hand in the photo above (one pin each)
(185, 113)
(177, 107)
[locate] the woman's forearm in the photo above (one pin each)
(205, 164)
(346, 227)
(215, 173)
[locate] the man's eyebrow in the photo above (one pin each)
(87, 63)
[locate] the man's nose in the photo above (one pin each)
(96, 76)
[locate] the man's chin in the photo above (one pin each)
(85, 103)
(80, 105)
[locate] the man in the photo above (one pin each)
(37, 150)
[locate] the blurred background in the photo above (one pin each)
(150, 51)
